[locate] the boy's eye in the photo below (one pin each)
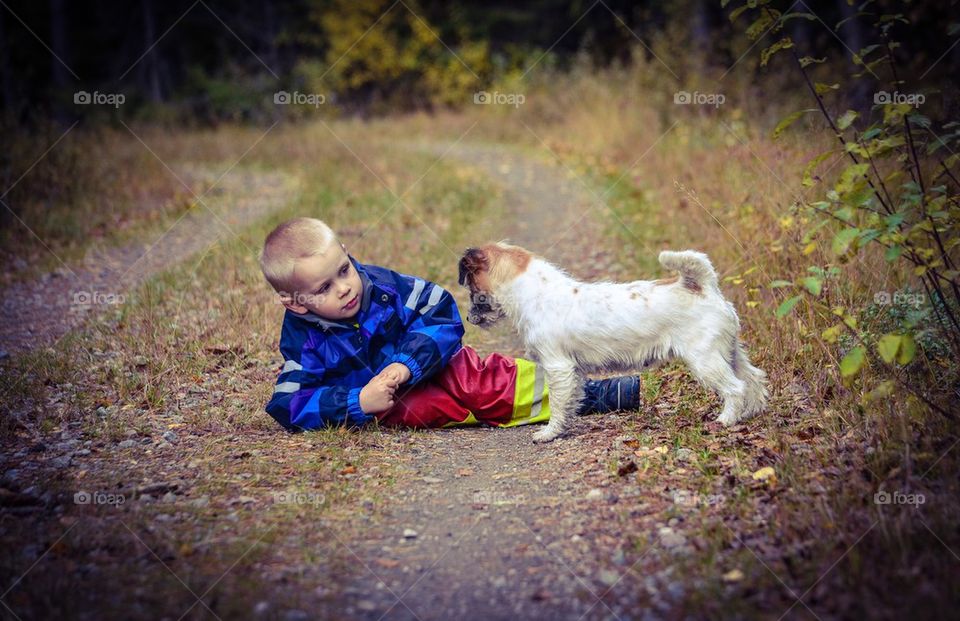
(323, 289)
(344, 269)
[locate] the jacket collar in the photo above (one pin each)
(328, 324)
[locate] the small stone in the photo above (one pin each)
(125, 444)
(62, 461)
(366, 605)
(685, 454)
(261, 609)
(200, 502)
(432, 480)
(83, 452)
(669, 538)
(409, 533)
(608, 577)
(295, 615)
(169, 436)
(595, 494)
(168, 497)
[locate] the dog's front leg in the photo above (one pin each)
(565, 391)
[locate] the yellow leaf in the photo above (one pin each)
(809, 248)
(734, 575)
(767, 474)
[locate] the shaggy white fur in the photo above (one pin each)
(573, 328)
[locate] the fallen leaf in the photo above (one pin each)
(351, 469)
(464, 472)
(766, 474)
(389, 563)
(734, 575)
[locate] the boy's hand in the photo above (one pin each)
(397, 371)
(377, 395)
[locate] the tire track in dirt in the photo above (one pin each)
(504, 528)
(37, 313)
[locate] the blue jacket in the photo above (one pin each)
(326, 363)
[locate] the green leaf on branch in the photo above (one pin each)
(892, 253)
(812, 165)
(853, 361)
(888, 345)
(908, 350)
(852, 178)
(823, 89)
(831, 334)
(843, 239)
(762, 24)
(782, 44)
(812, 284)
(809, 60)
(784, 309)
(779, 284)
(846, 119)
(788, 121)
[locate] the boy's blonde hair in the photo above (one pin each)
(294, 239)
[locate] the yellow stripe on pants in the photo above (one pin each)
(531, 401)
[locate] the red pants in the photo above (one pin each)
(497, 390)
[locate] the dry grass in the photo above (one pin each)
(194, 349)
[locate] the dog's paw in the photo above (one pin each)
(545, 435)
(728, 420)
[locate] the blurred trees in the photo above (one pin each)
(215, 60)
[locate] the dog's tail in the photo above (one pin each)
(694, 267)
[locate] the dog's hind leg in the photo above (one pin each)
(716, 372)
(565, 388)
(755, 380)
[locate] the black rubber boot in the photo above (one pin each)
(611, 395)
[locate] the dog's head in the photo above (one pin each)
(485, 271)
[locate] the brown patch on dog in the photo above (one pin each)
(490, 266)
(575, 291)
(667, 281)
(634, 295)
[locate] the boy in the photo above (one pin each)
(361, 342)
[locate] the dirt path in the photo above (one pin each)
(497, 527)
(39, 312)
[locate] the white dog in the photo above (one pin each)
(573, 328)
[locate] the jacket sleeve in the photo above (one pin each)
(432, 325)
(302, 400)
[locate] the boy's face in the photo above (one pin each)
(330, 286)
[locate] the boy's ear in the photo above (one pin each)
(290, 303)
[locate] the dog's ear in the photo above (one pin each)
(473, 259)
